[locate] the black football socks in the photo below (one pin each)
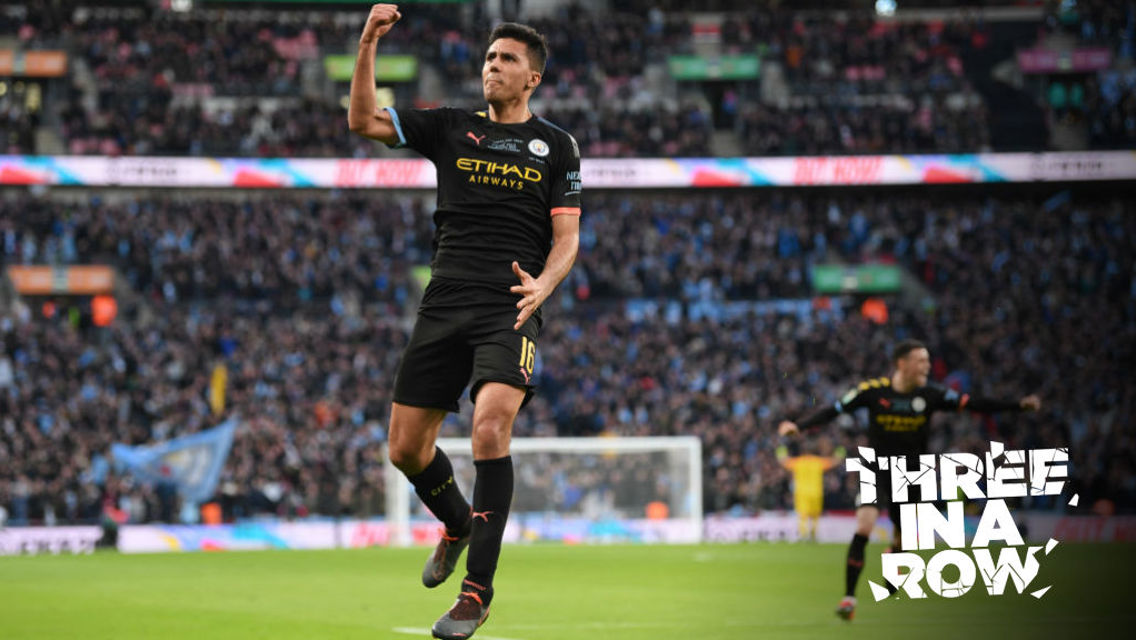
(436, 486)
(855, 563)
(492, 496)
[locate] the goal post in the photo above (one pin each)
(576, 490)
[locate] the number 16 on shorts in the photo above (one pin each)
(528, 357)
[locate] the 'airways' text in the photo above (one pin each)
(497, 182)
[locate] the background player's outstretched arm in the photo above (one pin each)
(990, 405)
(363, 115)
(534, 291)
(856, 398)
(788, 427)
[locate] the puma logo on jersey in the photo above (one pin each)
(476, 139)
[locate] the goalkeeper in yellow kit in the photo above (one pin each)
(808, 485)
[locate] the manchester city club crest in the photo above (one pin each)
(538, 147)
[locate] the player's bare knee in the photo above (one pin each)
(407, 458)
(865, 524)
(866, 521)
(491, 435)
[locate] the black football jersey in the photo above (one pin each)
(499, 185)
(898, 423)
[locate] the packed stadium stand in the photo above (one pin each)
(689, 312)
(302, 297)
(145, 80)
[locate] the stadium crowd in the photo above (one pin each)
(1110, 106)
(17, 123)
(895, 126)
(303, 299)
(855, 85)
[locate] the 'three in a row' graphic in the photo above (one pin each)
(951, 478)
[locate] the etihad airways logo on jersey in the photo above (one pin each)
(892, 422)
(498, 174)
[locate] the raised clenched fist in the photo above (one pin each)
(382, 18)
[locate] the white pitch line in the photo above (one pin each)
(422, 631)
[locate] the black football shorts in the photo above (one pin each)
(883, 497)
(460, 338)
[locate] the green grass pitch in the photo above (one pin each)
(719, 592)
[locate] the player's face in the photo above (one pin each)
(916, 366)
(506, 74)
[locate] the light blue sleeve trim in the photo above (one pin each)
(839, 407)
(397, 128)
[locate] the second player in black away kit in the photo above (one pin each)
(508, 207)
(498, 187)
(900, 409)
(898, 422)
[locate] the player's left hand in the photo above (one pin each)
(533, 292)
(1031, 403)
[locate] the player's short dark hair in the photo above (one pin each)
(905, 347)
(537, 45)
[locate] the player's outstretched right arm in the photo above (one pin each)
(822, 416)
(363, 116)
(856, 398)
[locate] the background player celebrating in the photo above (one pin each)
(508, 206)
(899, 413)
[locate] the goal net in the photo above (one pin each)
(576, 490)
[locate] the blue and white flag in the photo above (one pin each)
(192, 462)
